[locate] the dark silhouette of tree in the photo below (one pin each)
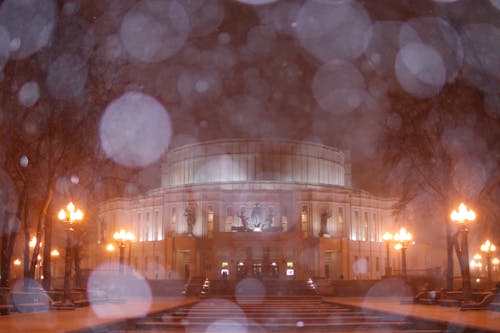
(432, 149)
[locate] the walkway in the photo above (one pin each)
(475, 319)
(67, 321)
(54, 321)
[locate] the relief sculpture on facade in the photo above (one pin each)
(259, 220)
(256, 218)
(189, 213)
(244, 221)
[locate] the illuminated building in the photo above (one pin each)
(248, 207)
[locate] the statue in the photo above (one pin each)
(256, 217)
(189, 213)
(268, 223)
(325, 215)
(244, 219)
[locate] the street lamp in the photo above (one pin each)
(110, 248)
(54, 254)
(69, 216)
(387, 239)
(122, 237)
(402, 238)
(488, 247)
(475, 264)
(16, 264)
(32, 243)
(495, 262)
(463, 217)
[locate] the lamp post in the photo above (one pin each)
(17, 263)
(494, 263)
(122, 237)
(32, 243)
(475, 264)
(463, 217)
(387, 239)
(110, 248)
(402, 238)
(68, 216)
(488, 247)
(54, 254)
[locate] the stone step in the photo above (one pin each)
(237, 326)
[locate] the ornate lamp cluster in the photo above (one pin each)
(69, 216)
(487, 248)
(463, 217)
(402, 238)
(122, 237)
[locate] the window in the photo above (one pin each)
(149, 228)
(355, 226)
(158, 226)
(304, 216)
(340, 219)
(210, 221)
(377, 264)
(157, 264)
(138, 232)
(173, 219)
(365, 230)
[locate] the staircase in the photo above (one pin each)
(255, 287)
(194, 286)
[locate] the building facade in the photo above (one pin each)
(236, 208)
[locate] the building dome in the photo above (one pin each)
(252, 160)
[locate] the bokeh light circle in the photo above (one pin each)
(232, 314)
(338, 87)
(118, 294)
(420, 70)
(250, 291)
(330, 30)
(29, 94)
(482, 59)
(153, 31)
(135, 130)
(29, 23)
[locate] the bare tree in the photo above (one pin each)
(431, 148)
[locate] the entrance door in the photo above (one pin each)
(274, 271)
(257, 271)
(241, 270)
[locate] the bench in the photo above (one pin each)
(5, 309)
(79, 298)
(428, 297)
(29, 301)
(481, 305)
(5, 306)
(495, 306)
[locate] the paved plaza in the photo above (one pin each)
(107, 314)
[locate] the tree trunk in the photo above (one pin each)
(9, 235)
(47, 273)
(449, 256)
